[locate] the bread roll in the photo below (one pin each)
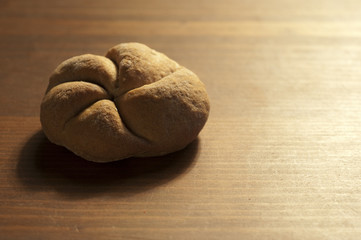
(134, 102)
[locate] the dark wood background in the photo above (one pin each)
(278, 159)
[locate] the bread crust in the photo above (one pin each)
(134, 102)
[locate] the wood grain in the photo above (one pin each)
(278, 158)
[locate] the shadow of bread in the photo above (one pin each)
(52, 167)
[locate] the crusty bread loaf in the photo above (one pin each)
(133, 102)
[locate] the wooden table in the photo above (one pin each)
(279, 157)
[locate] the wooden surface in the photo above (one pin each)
(278, 159)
